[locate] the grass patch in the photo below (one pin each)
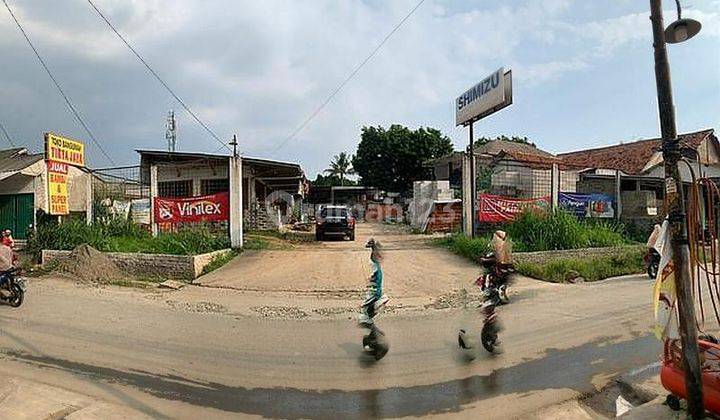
(542, 231)
(545, 231)
(116, 235)
(591, 269)
(218, 261)
(461, 245)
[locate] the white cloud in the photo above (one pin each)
(259, 69)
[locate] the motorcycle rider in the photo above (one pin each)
(501, 254)
(653, 237)
(7, 262)
(8, 241)
(374, 298)
(7, 238)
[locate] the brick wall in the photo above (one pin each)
(445, 217)
(184, 267)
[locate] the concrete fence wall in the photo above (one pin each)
(185, 267)
(583, 253)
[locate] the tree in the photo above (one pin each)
(341, 167)
(392, 159)
(515, 139)
(331, 181)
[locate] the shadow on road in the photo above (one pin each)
(559, 369)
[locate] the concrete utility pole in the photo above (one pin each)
(235, 176)
(676, 217)
(473, 183)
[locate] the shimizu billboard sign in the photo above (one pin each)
(487, 97)
(59, 153)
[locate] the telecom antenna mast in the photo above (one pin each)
(171, 131)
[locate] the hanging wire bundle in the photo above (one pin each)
(703, 213)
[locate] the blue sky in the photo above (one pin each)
(583, 71)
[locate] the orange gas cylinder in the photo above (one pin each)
(673, 378)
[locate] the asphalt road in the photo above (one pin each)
(131, 348)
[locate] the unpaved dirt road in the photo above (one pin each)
(201, 353)
(329, 278)
(413, 268)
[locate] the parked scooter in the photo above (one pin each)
(12, 290)
(652, 262)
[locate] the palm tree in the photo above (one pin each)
(340, 166)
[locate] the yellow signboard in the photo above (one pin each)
(64, 150)
(58, 193)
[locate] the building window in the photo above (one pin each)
(628, 185)
(214, 186)
(175, 188)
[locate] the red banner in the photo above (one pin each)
(496, 208)
(208, 208)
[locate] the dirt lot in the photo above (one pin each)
(412, 266)
(329, 278)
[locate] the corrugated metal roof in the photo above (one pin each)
(201, 155)
(17, 159)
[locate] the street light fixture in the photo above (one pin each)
(682, 29)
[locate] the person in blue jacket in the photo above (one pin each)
(374, 299)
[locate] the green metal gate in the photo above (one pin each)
(16, 213)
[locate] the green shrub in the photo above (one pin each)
(535, 230)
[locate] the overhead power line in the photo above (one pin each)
(69, 103)
(159, 79)
(347, 79)
(7, 136)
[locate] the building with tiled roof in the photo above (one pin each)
(634, 171)
(641, 157)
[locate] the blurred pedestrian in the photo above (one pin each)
(7, 239)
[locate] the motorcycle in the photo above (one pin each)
(491, 325)
(652, 262)
(496, 277)
(375, 343)
(13, 288)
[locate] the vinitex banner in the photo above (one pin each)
(208, 208)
